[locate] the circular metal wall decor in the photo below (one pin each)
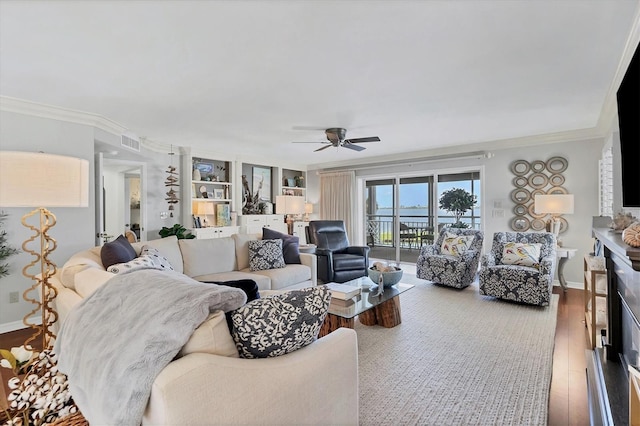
(520, 195)
(532, 212)
(519, 210)
(557, 190)
(538, 225)
(520, 167)
(556, 180)
(538, 166)
(557, 164)
(520, 181)
(520, 223)
(533, 178)
(538, 180)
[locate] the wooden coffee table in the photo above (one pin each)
(383, 310)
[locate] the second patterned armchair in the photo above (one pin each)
(519, 267)
(453, 259)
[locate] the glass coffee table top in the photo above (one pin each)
(366, 299)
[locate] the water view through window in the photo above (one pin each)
(413, 218)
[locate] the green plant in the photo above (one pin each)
(6, 250)
(178, 230)
(457, 201)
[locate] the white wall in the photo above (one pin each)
(74, 229)
(581, 180)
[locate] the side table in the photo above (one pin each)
(307, 248)
(563, 254)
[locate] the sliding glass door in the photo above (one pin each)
(398, 216)
(402, 213)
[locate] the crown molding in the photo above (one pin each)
(607, 120)
(448, 153)
(21, 106)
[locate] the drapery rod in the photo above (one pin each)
(465, 156)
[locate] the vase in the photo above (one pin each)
(196, 174)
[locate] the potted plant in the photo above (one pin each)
(178, 230)
(457, 201)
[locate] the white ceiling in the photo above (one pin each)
(238, 76)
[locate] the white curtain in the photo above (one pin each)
(337, 195)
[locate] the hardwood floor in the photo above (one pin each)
(568, 396)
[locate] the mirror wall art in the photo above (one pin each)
(530, 179)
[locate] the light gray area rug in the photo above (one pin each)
(458, 358)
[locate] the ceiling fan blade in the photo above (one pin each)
(349, 145)
(324, 147)
(360, 140)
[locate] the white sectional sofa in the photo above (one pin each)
(208, 383)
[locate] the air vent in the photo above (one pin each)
(131, 142)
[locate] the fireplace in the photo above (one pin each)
(607, 368)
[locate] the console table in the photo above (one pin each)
(564, 254)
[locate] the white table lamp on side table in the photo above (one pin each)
(555, 205)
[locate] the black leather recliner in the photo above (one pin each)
(337, 261)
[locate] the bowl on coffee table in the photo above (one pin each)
(389, 279)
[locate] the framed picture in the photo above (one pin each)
(209, 195)
(218, 194)
(262, 182)
(223, 215)
(205, 168)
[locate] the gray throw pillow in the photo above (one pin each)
(265, 254)
(290, 244)
(280, 324)
(119, 250)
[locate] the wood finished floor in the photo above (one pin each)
(568, 396)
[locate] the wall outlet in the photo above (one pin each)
(164, 215)
(14, 297)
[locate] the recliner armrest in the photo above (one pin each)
(359, 250)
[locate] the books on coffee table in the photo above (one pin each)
(343, 291)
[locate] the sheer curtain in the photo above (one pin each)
(337, 193)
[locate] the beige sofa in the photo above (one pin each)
(208, 383)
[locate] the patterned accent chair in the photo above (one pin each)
(519, 283)
(446, 269)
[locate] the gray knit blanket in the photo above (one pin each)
(115, 342)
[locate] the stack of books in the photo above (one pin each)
(343, 291)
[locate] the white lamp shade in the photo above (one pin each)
(289, 204)
(554, 204)
(205, 208)
(308, 208)
(33, 179)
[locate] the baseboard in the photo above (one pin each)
(571, 284)
(15, 325)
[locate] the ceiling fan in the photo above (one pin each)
(336, 136)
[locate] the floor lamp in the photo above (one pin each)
(30, 179)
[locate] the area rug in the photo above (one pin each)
(458, 358)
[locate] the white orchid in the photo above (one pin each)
(17, 358)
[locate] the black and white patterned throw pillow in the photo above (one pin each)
(280, 324)
(157, 258)
(265, 254)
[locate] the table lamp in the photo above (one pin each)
(290, 205)
(30, 179)
(555, 205)
(204, 209)
(308, 209)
